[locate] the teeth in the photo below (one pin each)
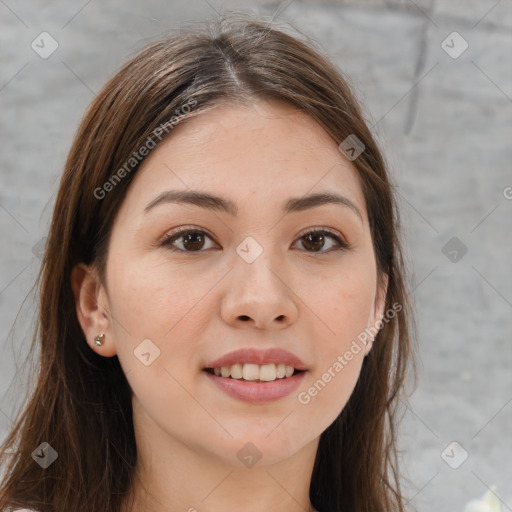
(236, 371)
(250, 371)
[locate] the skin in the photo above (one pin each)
(192, 305)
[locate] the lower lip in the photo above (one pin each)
(255, 392)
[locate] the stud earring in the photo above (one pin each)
(98, 341)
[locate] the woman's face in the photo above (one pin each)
(248, 275)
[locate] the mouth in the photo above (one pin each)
(254, 373)
(254, 384)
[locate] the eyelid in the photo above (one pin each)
(186, 228)
(322, 229)
(182, 229)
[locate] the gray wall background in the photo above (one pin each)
(445, 121)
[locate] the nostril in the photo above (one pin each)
(244, 318)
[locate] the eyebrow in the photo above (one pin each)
(213, 202)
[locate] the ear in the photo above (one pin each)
(92, 309)
(377, 310)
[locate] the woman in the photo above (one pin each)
(223, 315)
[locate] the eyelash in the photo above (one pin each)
(179, 232)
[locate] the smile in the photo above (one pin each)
(256, 390)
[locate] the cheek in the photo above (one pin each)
(349, 314)
(159, 320)
(339, 354)
(163, 314)
(155, 300)
(342, 301)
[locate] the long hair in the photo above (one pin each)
(81, 403)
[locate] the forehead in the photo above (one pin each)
(260, 151)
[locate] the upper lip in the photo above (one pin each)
(257, 356)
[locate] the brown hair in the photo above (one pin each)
(81, 404)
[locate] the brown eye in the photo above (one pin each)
(193, 241)
(315, 240)
(190, 240)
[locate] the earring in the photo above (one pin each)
(99, 339)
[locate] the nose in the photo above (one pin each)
(259, 296)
